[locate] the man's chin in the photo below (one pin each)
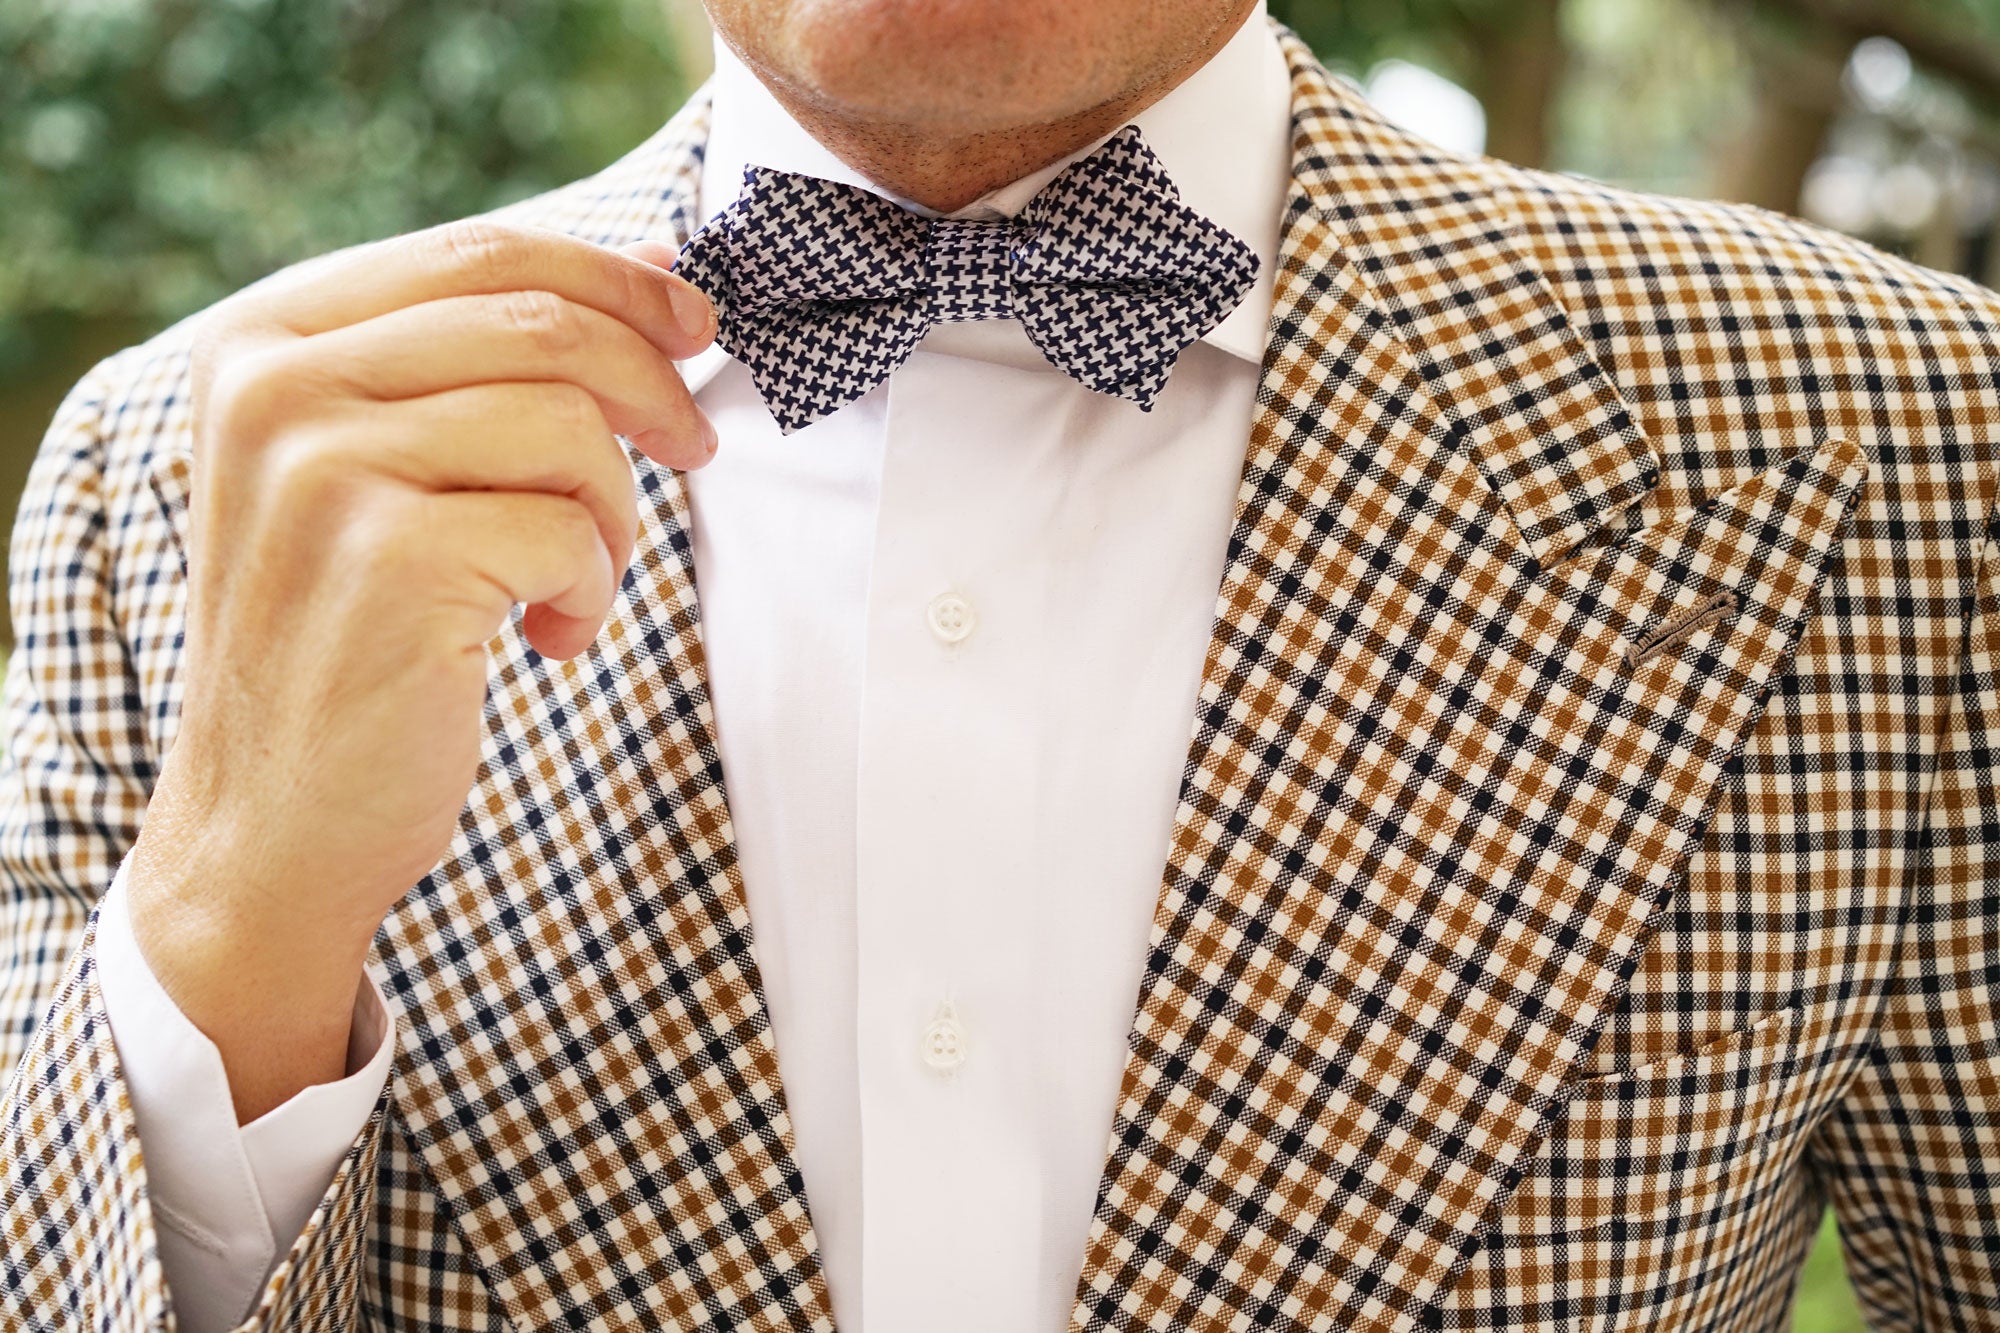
(956, 67)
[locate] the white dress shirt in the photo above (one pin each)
(954, 634)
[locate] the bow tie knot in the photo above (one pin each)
(973, 267)
(823, 289)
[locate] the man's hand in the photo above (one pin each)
(393, 446)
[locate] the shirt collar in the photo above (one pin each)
(1223, 135)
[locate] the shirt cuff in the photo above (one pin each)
(228, 1201)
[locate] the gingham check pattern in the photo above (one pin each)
(822, 289)
(1498, 980)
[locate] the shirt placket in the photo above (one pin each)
(945, 772)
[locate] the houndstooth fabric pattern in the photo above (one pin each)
(1583, 871)
(823, 289)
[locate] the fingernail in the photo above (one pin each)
(709, 440)
(692, 310)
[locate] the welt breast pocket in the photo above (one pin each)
(1675, 1146)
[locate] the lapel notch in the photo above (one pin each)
(1500, 356)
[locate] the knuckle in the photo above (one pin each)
(576, 544)
(480, 250)
(612, 494)
(629, 289)
(572, 410)
(576, 529)
(625, 485)
(545, 320)
(310, 469)
(671, 396)
(258, 391)
(244, 386)
(211, 335)
(385, 547)
(628, 534)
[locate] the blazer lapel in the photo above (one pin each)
(1448, 760)
(587, 1072)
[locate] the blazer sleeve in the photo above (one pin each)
(79, 1248)
(1911, 1156)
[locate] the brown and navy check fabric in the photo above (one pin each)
(1585, 868)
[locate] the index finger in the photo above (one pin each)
(477, 257)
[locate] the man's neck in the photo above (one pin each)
(945, 171)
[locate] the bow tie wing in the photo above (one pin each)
(1125, 275)
(819, 290)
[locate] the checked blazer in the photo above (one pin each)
(1584, 870)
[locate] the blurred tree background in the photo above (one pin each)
(156, 154)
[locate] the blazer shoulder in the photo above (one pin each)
(126, 414)
(1726, 321)
(1585, 229)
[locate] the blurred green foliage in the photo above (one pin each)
(1361, 32)
(157, 154)
(1826, 1304)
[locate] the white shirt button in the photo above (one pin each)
(944, 1041)
(950, 617)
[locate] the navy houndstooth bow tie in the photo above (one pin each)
(823, 289)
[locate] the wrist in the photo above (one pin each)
(274, 988)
